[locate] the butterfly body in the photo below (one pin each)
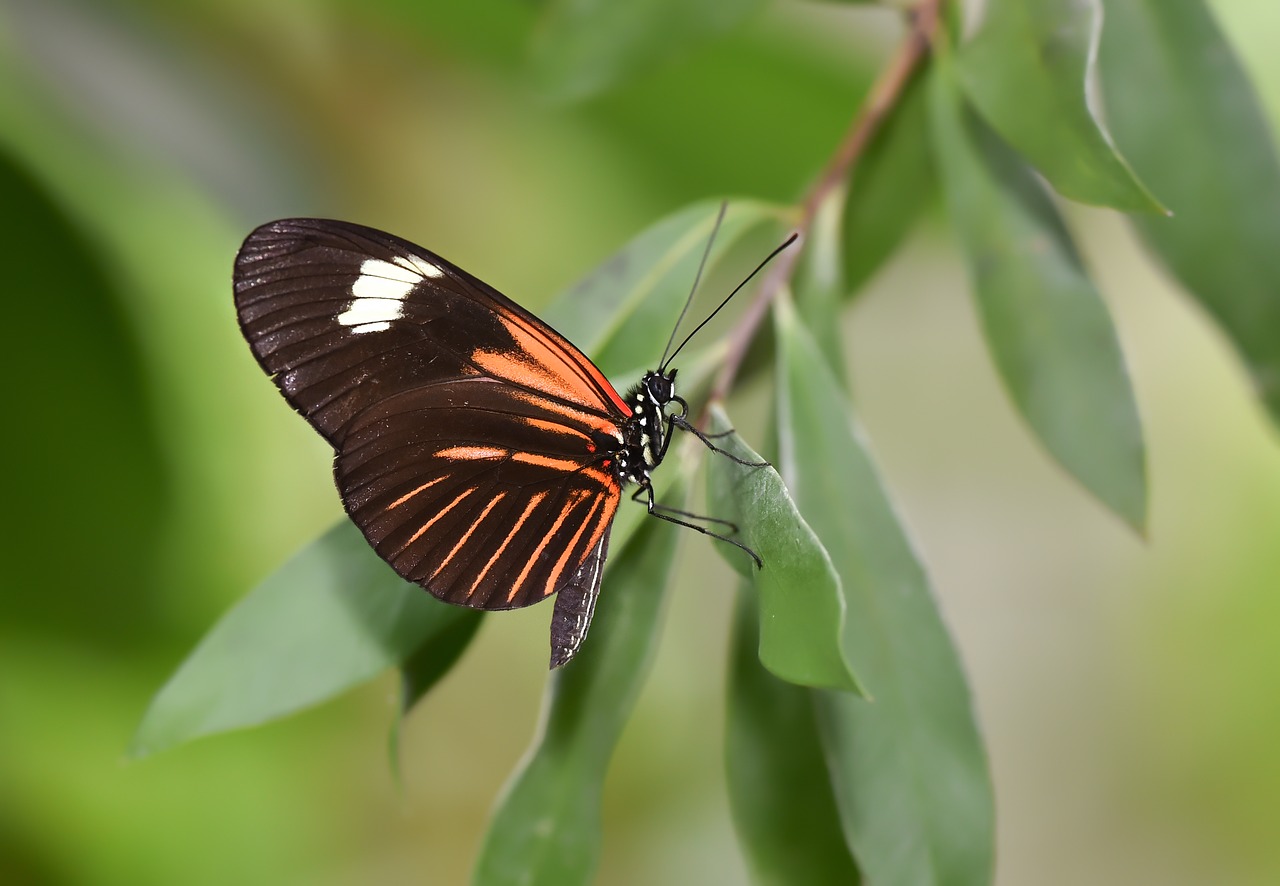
(482, 455)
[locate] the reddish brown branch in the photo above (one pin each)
(882, 97)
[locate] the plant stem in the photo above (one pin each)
(881, 99)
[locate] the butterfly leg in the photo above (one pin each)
(681, 420)
(684, 424)
(733, 527)
(656, 510)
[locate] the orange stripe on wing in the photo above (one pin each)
(602, 526)
(569, 413)
(515, 530)
(472, 453)
(553, 427)
(575, 499)
(568, 465)
(466, 535)
(553, 354)
(425, 526)
(558, 569)
(603, 478)
(408, 495)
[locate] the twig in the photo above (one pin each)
(884, 94)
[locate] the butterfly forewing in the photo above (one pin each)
(473, 440)
(343, 316)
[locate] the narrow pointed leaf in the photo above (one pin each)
(435, 656)
(547, 827)
(819, 281)
(891, 186)
(585, 47)
(425, 666)
(1028, 70)
(622, 313)
(81, 428)
(779, 788)
(1046, 325)
(802, 610)
(908, 769)
(1183, 110)
(331, 618)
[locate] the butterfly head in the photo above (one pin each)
(647, 428)
(660, 387)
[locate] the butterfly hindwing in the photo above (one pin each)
(485, 506)
(576, 605)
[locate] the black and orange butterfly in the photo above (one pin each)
(482, 455)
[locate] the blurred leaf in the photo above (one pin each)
(1028, 70)
(425, 666)
(584, 47)
(779, 787)
(622, 313)
(802, 610)
(890, 187)
(819, 281)
(1183, 109)
(908, 770)
(547, 827)
(435, 656)
(332, 617)
(80, 434)
(696, 145)
(1046, 325)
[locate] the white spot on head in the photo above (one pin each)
(380, 290)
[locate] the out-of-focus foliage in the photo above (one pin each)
(1123, 691)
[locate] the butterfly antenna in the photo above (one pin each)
(697, 278)
(736, 289)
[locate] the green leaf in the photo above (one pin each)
(1046, 325)
(547, 828)
(779, 788)
(425, 666)
(584, 47)
(435, 656)
(890, 188)
(82, 438)
(802, 610)
(622, 313)
(1183, 109)
(332, 617)
(909, 771)
(1028, 70)
(819, 281)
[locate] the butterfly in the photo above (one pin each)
(480, 452)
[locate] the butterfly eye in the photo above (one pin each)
(661, 388)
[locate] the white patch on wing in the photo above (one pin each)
(381, 289)
(418, 266)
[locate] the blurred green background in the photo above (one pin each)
(1127, 689)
